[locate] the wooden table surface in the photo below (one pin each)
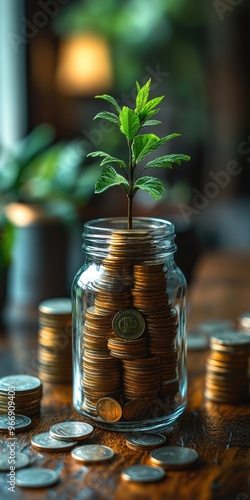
(220, 433)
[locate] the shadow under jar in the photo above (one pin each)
(129, 326)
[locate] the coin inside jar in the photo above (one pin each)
(109, 409)
(128, 324)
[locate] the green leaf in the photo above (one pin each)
(149, 123)
(142, 96)
(148, 110)
(107, 158)
(108, 178)
(110, 99)
(150, 185)
(167, 161)
(143, 145)
(130, 123)
(106, 115)
(167, 138)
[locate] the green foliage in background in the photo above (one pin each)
(38, 170)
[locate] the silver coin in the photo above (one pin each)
(36, 477)
(174, 457)
(19, 383)
(18, 461)
(143, 473)
(45, 442)
(67, 431)
(196, 341)
(19, 423)
(56, 306)
(215, 326)
(90, 453)
(231, 339)
(145, 441)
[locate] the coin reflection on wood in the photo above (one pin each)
(130, 353)
(54, 351)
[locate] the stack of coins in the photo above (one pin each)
(142, 378)
(101, 377)
(132, 320)
(20, 393)
(151, 298)
(54, 351)
(227, 368)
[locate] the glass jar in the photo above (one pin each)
(129, 326)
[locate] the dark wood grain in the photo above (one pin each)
(220, 433)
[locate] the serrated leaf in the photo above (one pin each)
(108, 178)
(148, 110)
(106, 115)
(167, 138)
(107, 158)
(142, 96)
(144, 144)
(167, 161)
(150, 185)
(110, 99)
(149, 123)
(130, 123)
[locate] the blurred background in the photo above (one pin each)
(55, 56)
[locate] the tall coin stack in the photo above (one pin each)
(226, 378)
(129, 334)
(54, 351)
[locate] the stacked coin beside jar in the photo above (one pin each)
(54, 352)
(227, 368)
(20, 393)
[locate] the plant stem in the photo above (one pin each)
(130, 193)
(130, 212)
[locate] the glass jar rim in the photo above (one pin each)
(106, 225)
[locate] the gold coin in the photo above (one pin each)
(128, 324)
(109, 409)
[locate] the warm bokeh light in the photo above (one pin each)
(84, 66)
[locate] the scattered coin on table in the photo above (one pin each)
(91, 453)
(174, 457)
(44, 442)
(19, 423)
(143, 473)
(20, 460)
(68, 431)
(140, 441)
(36, 477)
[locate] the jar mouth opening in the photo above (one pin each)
(109, 224)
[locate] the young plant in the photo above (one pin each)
(131, 121)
